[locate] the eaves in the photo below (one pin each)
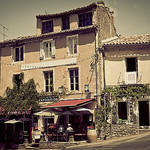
(47, 16)
(36, 38)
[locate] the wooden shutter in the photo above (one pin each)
(12, 54)
(53, 48)
(75, 45)
(41, 50)
(70, 45)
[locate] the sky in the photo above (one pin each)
(132, 17)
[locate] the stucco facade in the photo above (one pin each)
(33, 66)
(127, 61)
(65, 52)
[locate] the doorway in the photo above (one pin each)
(143, 113)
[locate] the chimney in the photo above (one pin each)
(101, 3)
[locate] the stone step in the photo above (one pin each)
(144, 130)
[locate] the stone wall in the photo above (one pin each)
(118, 130)
(56, 145)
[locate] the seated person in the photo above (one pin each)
(69, 128)
(61, 129)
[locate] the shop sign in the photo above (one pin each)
(49, 98)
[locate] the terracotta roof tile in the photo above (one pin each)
(132, 39)
(67, 12)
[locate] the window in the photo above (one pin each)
(47, 26)
(74, 79)
(18, 53)
(65, 23)
(48, 81)
(47, 49)
(17, 80)
(72, 44)
(122, 110)
(131, 73)
(85, 19)
(131, 64)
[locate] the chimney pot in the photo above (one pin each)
(101, 3)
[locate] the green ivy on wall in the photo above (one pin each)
(116, 93)
(130, 91)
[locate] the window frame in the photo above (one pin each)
(85, 19)
(129, 67)
(47, 26)
(49, 82)
(48, 49)
(74, 84)
(51, 49)
(20, 57)
(72, 39)
(65, 23)
(122, 112)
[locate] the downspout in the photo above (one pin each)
(103, 57)
(96, 61)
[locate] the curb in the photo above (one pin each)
(110, 140)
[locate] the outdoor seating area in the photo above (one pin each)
(66, 120)
(61, 134)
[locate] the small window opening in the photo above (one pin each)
(131, 64)
(122, 110)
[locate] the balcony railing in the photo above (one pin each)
(131, 77)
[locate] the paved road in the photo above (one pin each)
(137, 142)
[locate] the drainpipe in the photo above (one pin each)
(103, 56)
(96, 61)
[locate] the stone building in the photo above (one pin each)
(127, 61)
(64, 55)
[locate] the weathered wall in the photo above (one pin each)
(115, 64)
(86, 49)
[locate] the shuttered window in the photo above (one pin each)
(72, 45)
(47, 49)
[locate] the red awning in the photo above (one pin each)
(16, 112)
(67, 103)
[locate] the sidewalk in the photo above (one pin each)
(104, 142)
(111, 140)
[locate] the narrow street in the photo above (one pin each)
(136, 142)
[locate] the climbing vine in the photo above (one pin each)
(116, 93)
(130, 91)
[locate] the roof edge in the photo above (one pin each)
(67, 12)
(42, 36)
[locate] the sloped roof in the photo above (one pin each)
(131, 39)
(67, 12)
